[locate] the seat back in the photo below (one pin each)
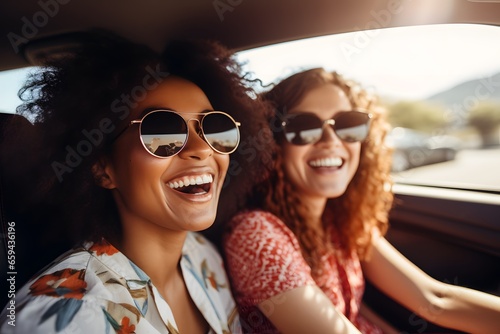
(31, 250)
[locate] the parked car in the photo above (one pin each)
(451, 233)
(413, 148)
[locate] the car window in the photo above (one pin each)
(440, 84)
(10, 83)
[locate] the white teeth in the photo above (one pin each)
(190, 181)
(328, 162)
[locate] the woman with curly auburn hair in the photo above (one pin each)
(132, 152)
(314, 229)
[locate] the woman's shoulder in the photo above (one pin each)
(74, 260)
(67, 292)
(251, 219)
(84, 273)
(253, 226)
(71, 274)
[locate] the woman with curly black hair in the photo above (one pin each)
(298, 258)
(131, 154)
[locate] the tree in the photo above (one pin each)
(418, 115)
(485, 118)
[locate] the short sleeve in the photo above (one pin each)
(263, 258)
(45, 314)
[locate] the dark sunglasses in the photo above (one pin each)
(164, 133)
(306, 128)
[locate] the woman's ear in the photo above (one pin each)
(102, 173)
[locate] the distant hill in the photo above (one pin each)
(469, 91)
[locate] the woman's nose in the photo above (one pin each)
(196, 147)
(329, 136)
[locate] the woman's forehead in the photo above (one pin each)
(326, 97)
(173, 93)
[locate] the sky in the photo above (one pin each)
(403, 63)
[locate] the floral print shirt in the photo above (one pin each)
(97, 289)
(264, 259)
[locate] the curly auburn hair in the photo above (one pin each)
(368, 198)
(70, 97)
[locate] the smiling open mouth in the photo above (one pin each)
(326, 162)
(196, 185)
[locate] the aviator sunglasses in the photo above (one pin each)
(164, 133)
(306, 128)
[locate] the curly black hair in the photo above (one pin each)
(80, 103)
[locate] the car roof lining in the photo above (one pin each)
(239, 24)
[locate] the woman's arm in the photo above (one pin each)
(305, 310)
(443, 304)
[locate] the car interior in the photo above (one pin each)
(452, 232)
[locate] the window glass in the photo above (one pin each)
(10, 83)
(440, 84)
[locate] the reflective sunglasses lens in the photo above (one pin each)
(352, 126)
(303, 129)
(163, 133)
(220, 132)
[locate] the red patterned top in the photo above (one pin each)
(264, 260)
